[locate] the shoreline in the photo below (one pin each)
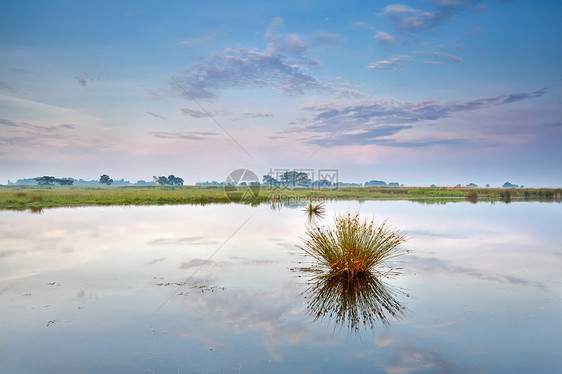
(24, 197)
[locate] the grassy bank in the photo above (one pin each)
(46, 196)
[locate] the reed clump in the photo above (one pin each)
(353, 246)
(315, 211)
(472, 196)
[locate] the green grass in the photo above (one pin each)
(353, 246)
(50, 196)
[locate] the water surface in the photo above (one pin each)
(218, 289)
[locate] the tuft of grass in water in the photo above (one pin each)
(505, 196)
(352, 247)
(472, 196)
(314, 211)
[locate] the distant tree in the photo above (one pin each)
(432, 185)
(487, 185)
(65, 181)
(375, 183)
(472, 185)
(141, 182)
(46, 180)
(322, 183)
(172, 179)
(394, 184)
(207, 183)
(161, 180)
(509, 185)
(105, 179)
(27, 181)
(270, 181)
(295, 178)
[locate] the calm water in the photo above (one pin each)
(99, 290)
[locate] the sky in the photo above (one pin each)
(441, 92)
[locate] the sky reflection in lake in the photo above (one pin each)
(100, 290)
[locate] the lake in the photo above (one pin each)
(224, 289)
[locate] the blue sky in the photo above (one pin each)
(419, 92)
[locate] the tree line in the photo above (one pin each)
(48, 180)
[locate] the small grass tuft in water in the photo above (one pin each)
(314, 211)
(472, 196)
(353, 246)
(318, 208)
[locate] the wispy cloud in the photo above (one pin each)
(392, 63)
(524, 95)
(155, 261)
(24, 125)
(242, 69)
(21, 136)
(408, 359)
(283, 42)
(324, 38)
(238, 116)
(365, 136)
(283, 67)
(440, 55)
(376, 122)
(385, 38)
(10, 123)
(85, 80)
(249, 115)
(396, 62)
(436, 266)
(186, 240)
(154, 114)
(408, 20)
(199, 41)
(194, 113)
(6, 87)
(185, 135)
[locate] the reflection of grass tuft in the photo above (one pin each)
(35, 210)
(361, 301)
(353, 246)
